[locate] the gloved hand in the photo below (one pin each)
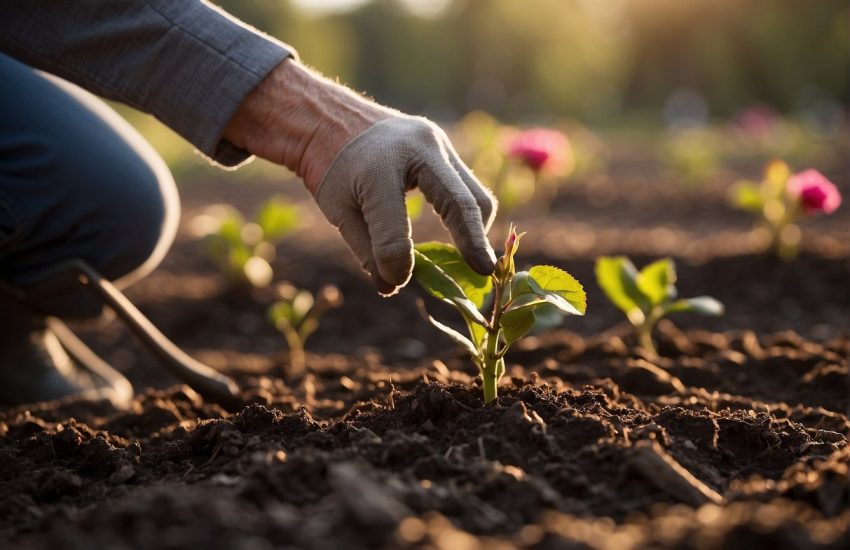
(358, 159)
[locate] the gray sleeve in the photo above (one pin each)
(184, 61)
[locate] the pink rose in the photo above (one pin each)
(814, 191)
(540, 148)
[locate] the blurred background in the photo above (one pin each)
(645, 66)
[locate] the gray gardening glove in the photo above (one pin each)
(362, 194)
(358, 159)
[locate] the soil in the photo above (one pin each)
(736, 437)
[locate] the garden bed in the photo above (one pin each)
(735, 436)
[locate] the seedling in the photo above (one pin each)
(781, 199)
(296, 315)
(648, 295)
(512, 301)
(244, 249)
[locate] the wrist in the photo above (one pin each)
(298, 118)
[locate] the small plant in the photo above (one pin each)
(511, 299)
(781, 199)
(648, 295)
(296, 315)
(243, 249)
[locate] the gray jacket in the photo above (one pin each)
(184, 61)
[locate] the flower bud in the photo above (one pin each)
(505, 265)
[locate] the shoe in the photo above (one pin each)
(42, 360)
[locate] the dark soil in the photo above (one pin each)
(736, 437)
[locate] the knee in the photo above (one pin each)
(137, 219)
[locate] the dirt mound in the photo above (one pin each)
(644, 454)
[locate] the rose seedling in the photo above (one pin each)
(499, 309)
(296, 315)
(243, 249)
(648, 295)
(781, 199)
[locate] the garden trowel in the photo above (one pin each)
(71, 274)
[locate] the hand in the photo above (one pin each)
(358, 159)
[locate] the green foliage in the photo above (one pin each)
(513, 300)
(296, 315)
(277, 219)
(244, 249)
(415, 205)
(474, 286)
(648, 295)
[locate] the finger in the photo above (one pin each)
(356, 234)
(484, 197)
(445, 190)
(385, 214)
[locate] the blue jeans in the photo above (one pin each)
(76, 181)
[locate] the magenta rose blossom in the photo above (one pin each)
(814, 191)
(539, 148)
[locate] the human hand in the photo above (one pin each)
(358, 159)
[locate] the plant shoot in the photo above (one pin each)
(498, 310)
(648, 295)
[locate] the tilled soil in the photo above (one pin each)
(729, 440)
(736, 437)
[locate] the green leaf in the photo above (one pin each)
(237, 257)
(747, 196)
(519, 284)
(657, 281)
(468, 310)
(705, 305)
(478, 333)
(440, 285)
(277, 218)
(475, 287)
(559, 288)
(307, 327)
(231, 229)
(281, 312)
(456, 336)
(518, 321)
(547, 317)
(415, 204)
(617, 276)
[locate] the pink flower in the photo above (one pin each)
(814, 191)
(540, 148)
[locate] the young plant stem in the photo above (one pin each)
(644, 331)
(493, 366)
(297, 359)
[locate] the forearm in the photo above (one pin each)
(184, 61)
(281, 118)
